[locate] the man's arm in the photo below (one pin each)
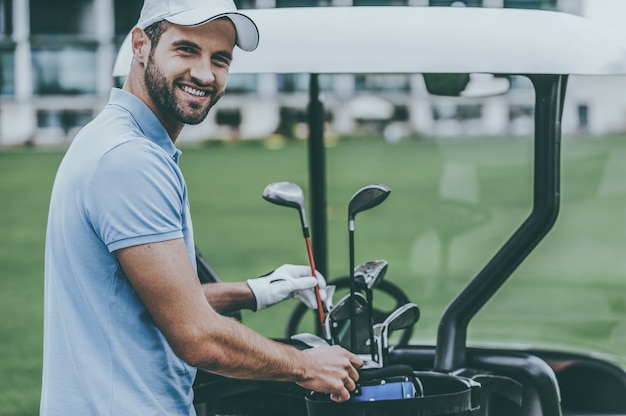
(165, 280)
(225, 297)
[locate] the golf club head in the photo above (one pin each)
(341, 310)
(287, 194)
(370, 274)
(340, 323)
(366, 198)
(403, 317)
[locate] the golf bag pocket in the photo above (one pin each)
(387, 383)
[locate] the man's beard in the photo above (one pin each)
(163, 94)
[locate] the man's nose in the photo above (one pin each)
(203, 72)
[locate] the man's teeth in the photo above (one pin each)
(194, 91)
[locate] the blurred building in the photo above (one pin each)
(55, 75)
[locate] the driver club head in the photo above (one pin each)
(287, 194)
(366, 198)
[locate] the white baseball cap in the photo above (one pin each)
(197, 12)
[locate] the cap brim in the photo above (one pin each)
(247, 32)
(247, 37)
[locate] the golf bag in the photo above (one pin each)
(397, 390)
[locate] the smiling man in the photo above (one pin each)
(127, 322)
(185, 71)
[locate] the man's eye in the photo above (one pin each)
(186, 49)
(222, 61)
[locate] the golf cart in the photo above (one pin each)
(453, 379)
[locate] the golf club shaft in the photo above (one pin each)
(318, 297)
(352, 287)
(370, 313)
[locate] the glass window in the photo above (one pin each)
(68, 70)
(380, 83)
(469, 111)
(444, 3)
(245, 4)
(531, 4)
(380, 2)
(6, 14)
(303, 3)
(300, 82)
(61, 17)
(7, 72)
(517, 111)
(293, 82)
(242, 83)
(64, 119)
(126, 15)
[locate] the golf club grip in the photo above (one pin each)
(318, 297)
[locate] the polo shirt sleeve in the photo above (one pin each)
(136, 196)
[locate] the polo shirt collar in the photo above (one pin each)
(146, 120)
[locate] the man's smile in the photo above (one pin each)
(193, 91)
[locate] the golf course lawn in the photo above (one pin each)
(453, 204)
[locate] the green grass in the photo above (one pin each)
(453, 204)
(25, 184)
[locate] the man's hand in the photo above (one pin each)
(286, 282)
(332, 370)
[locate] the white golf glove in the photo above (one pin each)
(287, 281)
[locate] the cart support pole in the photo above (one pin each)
(452, 335)
(317, 176)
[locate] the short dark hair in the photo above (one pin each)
(155, 30)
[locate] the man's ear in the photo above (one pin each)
(140, 44)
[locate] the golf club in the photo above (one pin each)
(367, 276)
(403, 317)
(340, 317)
(364, 199)
(289, 194)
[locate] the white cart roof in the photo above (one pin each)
(424, 39)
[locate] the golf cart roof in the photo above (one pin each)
(424, 40)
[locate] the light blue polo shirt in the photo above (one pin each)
(119, 185)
